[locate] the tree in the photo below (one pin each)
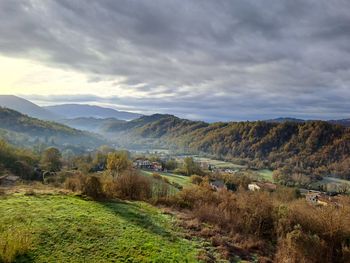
(51, 159)
(189, 166)
(343, 188)
(170, 165)
(117, 162)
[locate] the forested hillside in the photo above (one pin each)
(313, 147)
(23, 130)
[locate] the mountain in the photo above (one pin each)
(285, 119)
(26, 107)
(343, 122)
(91, 124)
(71, 111)
(21, 129)
(312, 147)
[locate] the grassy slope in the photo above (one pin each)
(266, 174)
(179, 179)
(70, 229)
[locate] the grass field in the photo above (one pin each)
(219, 164)
(331, 182)
(70, 229)
(176, 178)
(265, 174)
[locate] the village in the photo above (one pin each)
(314, 197)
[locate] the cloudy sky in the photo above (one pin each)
(199, 59)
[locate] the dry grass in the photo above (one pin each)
(13, 243)
(246, 222)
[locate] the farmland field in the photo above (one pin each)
(265, 174)
(176, 178)
(66, 228)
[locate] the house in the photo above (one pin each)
(269, 187)
(8, 180)
(146, 164)
(254, 187)
(156, 166)
(218, 185)
(142, 164)
(319, 198)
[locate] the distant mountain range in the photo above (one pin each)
(64, 111)
(343, 122)
(71, 111)
(26, 107)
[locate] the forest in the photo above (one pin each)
(314, 148)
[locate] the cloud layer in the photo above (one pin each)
(203, 59)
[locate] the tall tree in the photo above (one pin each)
(118, 162)
(51, 159)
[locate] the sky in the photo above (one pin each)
(198, 59)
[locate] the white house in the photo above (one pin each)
(254, 187)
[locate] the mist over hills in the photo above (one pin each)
(21, 129)
(71, 111)
(92, 124)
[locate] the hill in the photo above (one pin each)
(26, 107)
(313, 147)
(343, 122)
(28, 130)
(63, 228)
(285, 119)
(71, 111)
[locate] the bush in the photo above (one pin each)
(92, 187)
(75, 182)
(14, 242)
(157, 176)
(131, 185)
(196, 179)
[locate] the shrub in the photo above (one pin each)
(131, 185)
(75, 182)
(196, 179)
(299, 246)
(13, 243)
(92, 187)
(160, 191)
(157, 176)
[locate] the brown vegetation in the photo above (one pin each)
(282, 228)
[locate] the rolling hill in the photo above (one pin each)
(26, 107)
(64, 228)
(22, 129)
(71, 111)
(313, 147)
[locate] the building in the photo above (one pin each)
(218, 185)
(146, 164)
(256, 186)
(142, 164)
(253, 187)
(156, 166)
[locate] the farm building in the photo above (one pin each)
(218, 185)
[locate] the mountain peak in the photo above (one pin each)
(26, 107)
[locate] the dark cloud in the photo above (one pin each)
(224, 59)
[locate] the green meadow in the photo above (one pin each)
(65, 228)
(173, 178)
